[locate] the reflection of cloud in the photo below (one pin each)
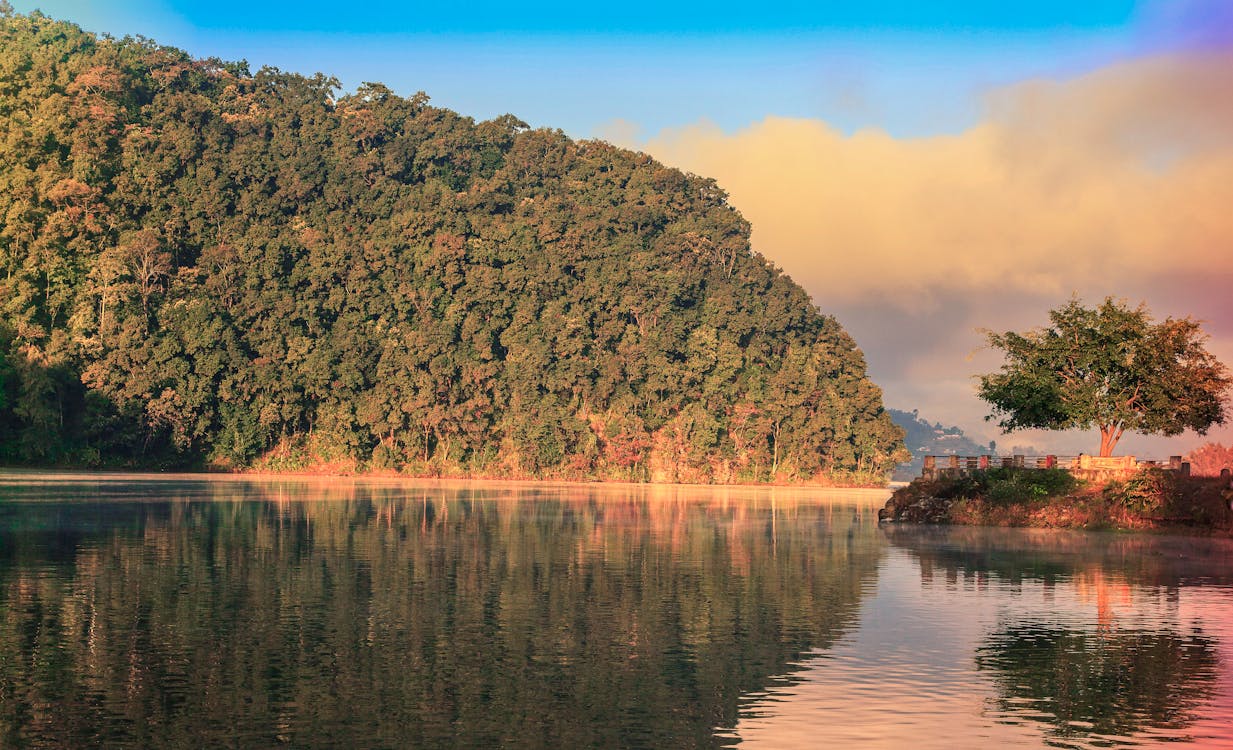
(1115, 183)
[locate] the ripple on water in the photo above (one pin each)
(948, 653)
(368, 614)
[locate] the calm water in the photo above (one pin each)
(224, 613)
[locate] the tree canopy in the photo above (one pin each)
(1111, 367)
(1209, 459)
(203, 264)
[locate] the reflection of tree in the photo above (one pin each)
(1111, 679)
(1109, 682)
(453, 618)
(1053, 555)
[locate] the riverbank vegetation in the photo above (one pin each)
(202, 266)
(1153, 499)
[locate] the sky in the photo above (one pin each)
(924, 170)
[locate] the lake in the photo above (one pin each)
(222, 612)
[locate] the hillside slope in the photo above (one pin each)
(203, 265)
(924, 439)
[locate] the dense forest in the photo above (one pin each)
(204, 266)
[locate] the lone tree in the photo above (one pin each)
(1111, 367)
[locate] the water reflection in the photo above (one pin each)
(1111, 682)
(1050, 555)
(183, 614)
(1016, 638)
(1115, 655)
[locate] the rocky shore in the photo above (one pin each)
(1151, 500)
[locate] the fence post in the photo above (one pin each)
(929, 470)
(1017, 461)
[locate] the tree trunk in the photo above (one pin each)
(775, 453)
(1109, 435)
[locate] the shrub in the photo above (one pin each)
(1147, 492)
(1004, 486)
(967, 485)
(1007, 486)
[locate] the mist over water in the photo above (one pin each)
(374, 613)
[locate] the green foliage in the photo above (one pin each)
(1109, 367)
(1013, 486)
(1149, 491)
(1005, 486)
(205, 264)
(8, 393)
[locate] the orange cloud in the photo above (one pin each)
(1064, 184)
(1119, 182)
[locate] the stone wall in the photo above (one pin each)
(1091, 468)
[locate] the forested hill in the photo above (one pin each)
(200, 265)
(923, 438)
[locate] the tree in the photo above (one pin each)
(1208, 460)
(1110, 367)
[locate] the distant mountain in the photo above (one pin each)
(925, 439)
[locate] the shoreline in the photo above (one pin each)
(1152, 501)
(69, 475)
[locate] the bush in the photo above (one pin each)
(1010, 485)
(385, 458)
(1006, 486)
(1147, 492)
(965, 486)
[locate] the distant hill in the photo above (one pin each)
(925, 439)
(204, 265)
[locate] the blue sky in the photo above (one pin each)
(909, 68)
(634, 16)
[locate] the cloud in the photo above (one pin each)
(620, 132)
(1118, 182)
(1062, 186)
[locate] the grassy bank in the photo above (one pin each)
(1151, 500)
